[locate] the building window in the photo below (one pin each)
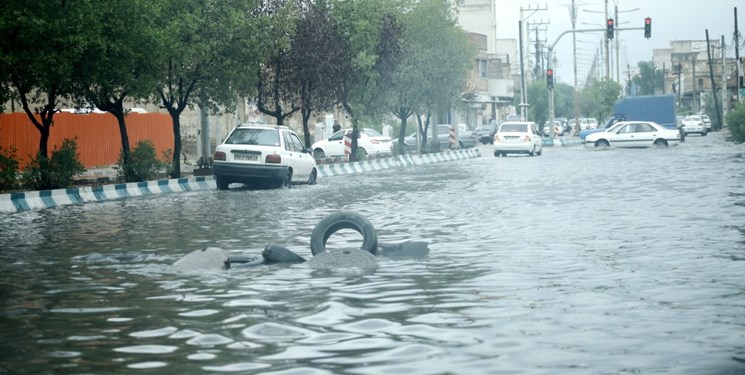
(482, 66)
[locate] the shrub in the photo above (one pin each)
(56, 172)
(144, 163)
(735, 121)
(8, 169)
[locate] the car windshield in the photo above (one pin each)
(514, 128)
(693, 118)
(254, 136)
(615, 126)
(372, 132)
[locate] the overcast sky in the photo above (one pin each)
(671, 20)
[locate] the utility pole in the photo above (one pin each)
(607, 47)
(618, 35)
(574, 53)
(725, 99)
(737, 60)
(523, 93)
(711, 76)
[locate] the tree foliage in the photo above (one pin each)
(202, 54)
(316, 52)
(42, 44)
(597, 100)
(648, 79)
(735, 121)
(435, 59)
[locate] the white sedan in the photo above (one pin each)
(517, 138)
(263, 156)
(634, 134)
(369, 142)
(693, 124)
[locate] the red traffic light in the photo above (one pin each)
(647, 27)
(647, 21)
(550, 72)
(610, 21)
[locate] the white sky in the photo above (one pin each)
(671, 20)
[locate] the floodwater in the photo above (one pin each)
(577, 261)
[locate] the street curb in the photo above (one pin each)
(33, 200)
(562, 142)
(36, 200)
(331, 170)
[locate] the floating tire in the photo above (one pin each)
(343, 220)
(244, 261)
(277, 254)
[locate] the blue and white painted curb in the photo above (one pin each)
(562, 142)
(331, 170)
(33, 200)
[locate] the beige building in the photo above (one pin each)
(687, 75)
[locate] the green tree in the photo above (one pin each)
(206, 52)
(434, 64)
(735, 120)
(277, 85)
(114, 64)
(598, 98)
(315, 54)
(648, 79)
(42, 43)
(372, 32)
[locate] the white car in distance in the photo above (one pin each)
(517, 138)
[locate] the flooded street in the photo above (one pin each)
(576, 261)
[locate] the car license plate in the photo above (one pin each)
(247, 157)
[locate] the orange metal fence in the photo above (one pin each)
(99, 142)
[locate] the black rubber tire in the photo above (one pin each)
(602, 143)
(660, 143)
(278, 254)
(286, 182)
(313, 178)
(222, 183)
(343, 220)
(319, 154)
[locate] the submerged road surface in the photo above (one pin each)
(577, 261)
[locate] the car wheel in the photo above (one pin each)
(313, 177)
(343, 220)
(319, 154)
(540, 152)
(362, 153)
(704, 134)
(602, 143)
(660, 143)
(287, 181)
(496, 154)
(532, 152)
(222, 182)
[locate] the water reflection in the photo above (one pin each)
(598, 262)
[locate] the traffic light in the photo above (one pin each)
(611, 24)
(550, 78)
(647, 27)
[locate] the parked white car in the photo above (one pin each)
(707, 121)
(693, 124)
(369, 142)
(517, 138)
(634, 134)
(263, 156)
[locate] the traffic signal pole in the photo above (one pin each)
(549, 66)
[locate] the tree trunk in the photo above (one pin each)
(176, 167)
